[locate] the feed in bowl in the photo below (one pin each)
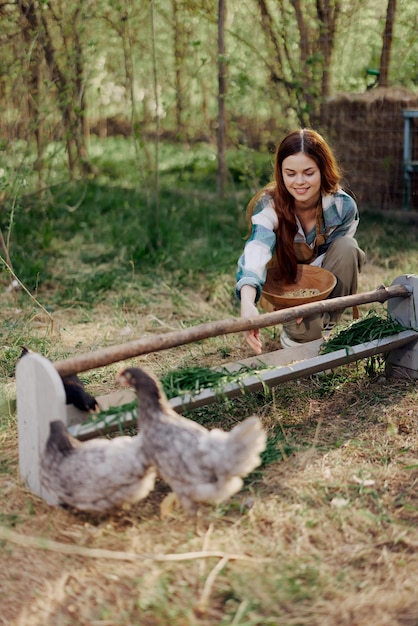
(312, 284)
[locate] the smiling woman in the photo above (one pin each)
(303, 216)
(302, 179)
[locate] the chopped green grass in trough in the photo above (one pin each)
(176, 383)
(369, 328)
(194, 380)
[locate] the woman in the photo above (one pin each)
(302, 217)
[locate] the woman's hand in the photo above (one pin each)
(249, 309)
(252, 337)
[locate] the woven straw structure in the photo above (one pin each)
(366, 131)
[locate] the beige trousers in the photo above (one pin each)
(345, 260)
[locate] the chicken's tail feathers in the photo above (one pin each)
(246, 441)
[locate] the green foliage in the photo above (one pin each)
(249, 167)
(82, 239)
(389, 240)
(380, 234)
(84, 236)
(117, 79)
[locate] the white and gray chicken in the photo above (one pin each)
(199, 465)
(96, 475)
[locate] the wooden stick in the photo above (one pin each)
(43, 543)
(204, 597)
(155, 343)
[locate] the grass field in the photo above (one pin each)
(325, 533)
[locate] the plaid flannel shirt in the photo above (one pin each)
(340, 219)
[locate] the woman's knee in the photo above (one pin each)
(307, 330)
(344, 250)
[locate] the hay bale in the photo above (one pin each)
(366, 131)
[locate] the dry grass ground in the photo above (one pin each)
(326, 536)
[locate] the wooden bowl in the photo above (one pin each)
(308, 277)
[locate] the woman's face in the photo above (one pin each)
(302, 179)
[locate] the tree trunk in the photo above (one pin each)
(30, 29)
(303, 73)
(222, 169)
(305, 78)
(327, 11)
(178, 62)
(143, 157)
(68, 81)
(387, 44)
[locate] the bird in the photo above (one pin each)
(75, 392)
(96, 475)
(201, 466)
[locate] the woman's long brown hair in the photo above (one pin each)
(314, 146)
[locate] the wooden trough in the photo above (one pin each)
(41, 397)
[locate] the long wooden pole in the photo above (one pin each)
(155, 343)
